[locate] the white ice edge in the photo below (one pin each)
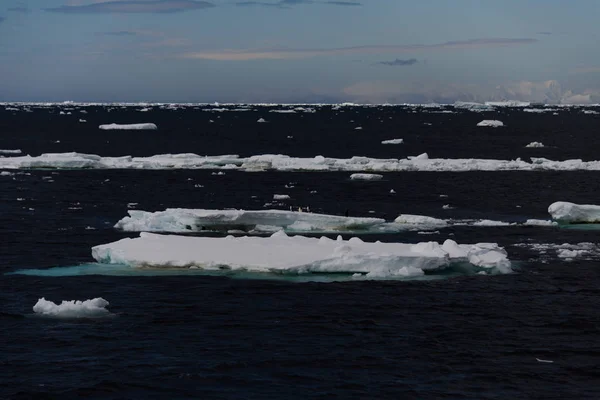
(280, 162)
(298, 255)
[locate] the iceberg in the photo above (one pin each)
(142, 126)
(491, 123)
(72, 309)
(280, 253)
(535, 145)
(569, 213)
(393, 141)
(366, 177)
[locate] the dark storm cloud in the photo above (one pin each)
(399, 63)
(140, 6)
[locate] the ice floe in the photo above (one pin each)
(393, 141)
(10, 151)
(142, 126)
(491, 123)
(535, 144)
(280, 253)
(508, 103)
(366, 177)
(180, 220)
(72, 309)
(570, 213)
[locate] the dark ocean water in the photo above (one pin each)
(466, 337)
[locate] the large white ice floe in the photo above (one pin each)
(72, 309)
(570, 213)
(299, 255)
(491, 123)
(142, 126)
(179, 220)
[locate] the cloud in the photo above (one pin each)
(290, 3)
(23, 10)
(544, 33)
(584, 70)
(551, 92)
(118, 33)
(399, 63)
(2, 19)
(280, 54)
(137, 6)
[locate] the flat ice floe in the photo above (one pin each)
(179, 220)
(491, 123)
(280, 253)
(279, 162)
(366, 177)
(570, 213)
(10, 151)
(142, 126)
(393, 141)
(72, 309)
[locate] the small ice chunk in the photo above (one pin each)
(491, 123)
(11, 151)
(72, 309)
(535, 145)
(261, 120)
(366, 177)
(141, 126)
(281, 197)
(393, 141)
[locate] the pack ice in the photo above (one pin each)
(279, 162)
(570, 213)
(280, 253)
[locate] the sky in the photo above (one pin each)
(300, 51)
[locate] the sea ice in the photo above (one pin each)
(535, 144)
(491, 123)
(280, 162)
(178, 220)
(72, 309)
(366, 177)
(281, 197)
(6, 151)
(142, 126)
(393, 141)
(570, 213)
(298, 255)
